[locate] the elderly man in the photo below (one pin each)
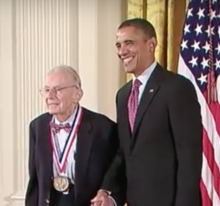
(71, 147)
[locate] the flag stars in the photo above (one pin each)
(186, 29)
(219, 31)
(217, 64)
(184, 45)
(202, 22)
(198, 29)
(208, 31)
(200, 13)
(212, 14)
(206, 47)
(218, 48)
(196, 45)
(202, 79)
(189, 13)
(205, 63)
(193, 61)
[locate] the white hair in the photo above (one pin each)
(68, 69)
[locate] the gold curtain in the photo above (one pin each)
(168, 17)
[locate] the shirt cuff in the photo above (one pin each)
(113, 200)
(109, 196)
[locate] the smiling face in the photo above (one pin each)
(135, 49)
(61, 94)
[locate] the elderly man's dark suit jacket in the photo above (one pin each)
(163, 157)
(97, 143)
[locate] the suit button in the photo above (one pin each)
(47, 201)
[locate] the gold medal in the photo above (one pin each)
(61, 183)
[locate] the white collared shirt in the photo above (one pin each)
(62, 136)
(144, 77)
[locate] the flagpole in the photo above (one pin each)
(211, 81)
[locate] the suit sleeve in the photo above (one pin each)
(31, 198)
(115, 179)
(186, 124)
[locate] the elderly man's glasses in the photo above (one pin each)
(55, 91)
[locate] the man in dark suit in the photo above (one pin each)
(71, 148)
(159, 128)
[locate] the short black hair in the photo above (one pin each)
(141, 24)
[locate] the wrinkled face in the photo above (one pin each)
(134, 48)
(60, 93)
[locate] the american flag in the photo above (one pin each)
(199, 61)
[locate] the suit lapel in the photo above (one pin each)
(149, 93)
(83, 149)
(123, 110)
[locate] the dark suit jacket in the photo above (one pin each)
(162, 158)
(97, 144)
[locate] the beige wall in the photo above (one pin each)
(36, 35)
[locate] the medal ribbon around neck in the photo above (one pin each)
(61, 160)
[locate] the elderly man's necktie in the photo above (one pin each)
(133, 103)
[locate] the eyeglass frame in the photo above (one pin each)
(55, 90)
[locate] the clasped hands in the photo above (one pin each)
(102, 199)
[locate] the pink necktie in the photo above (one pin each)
(57, 127)
(133, 103)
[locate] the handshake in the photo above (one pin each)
(103, 198)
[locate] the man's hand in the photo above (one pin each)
(102, 199)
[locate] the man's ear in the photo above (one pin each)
(78, 95)
(153, 44)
